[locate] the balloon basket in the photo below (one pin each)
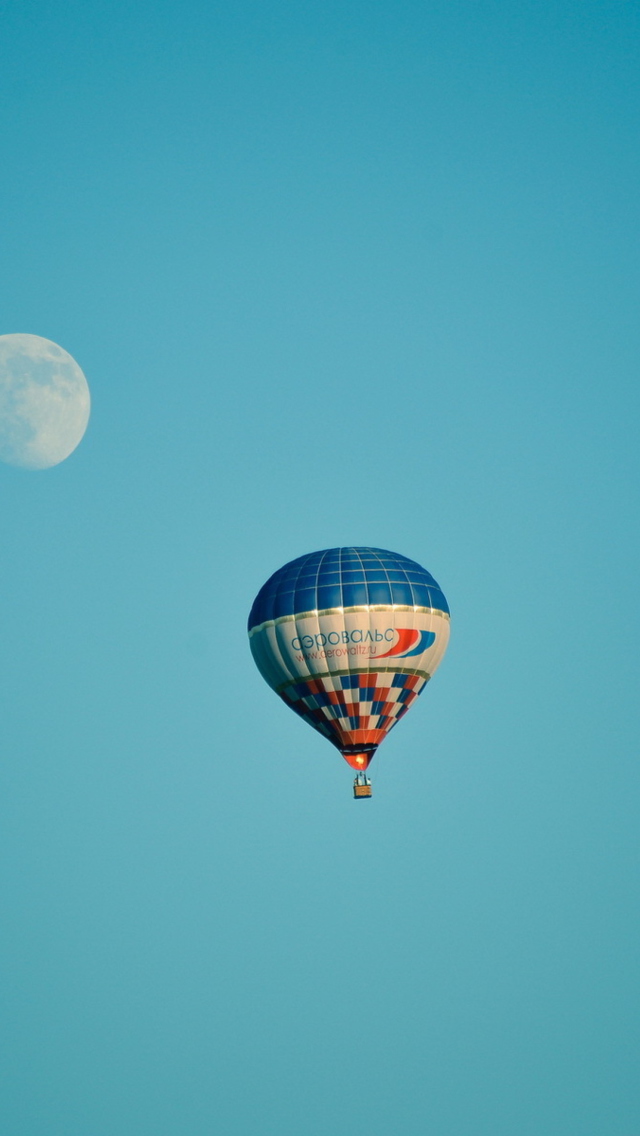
(361, 787)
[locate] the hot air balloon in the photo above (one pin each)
(349, 637)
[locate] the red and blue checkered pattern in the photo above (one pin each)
(355, 709)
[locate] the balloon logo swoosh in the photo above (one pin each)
(410, 642)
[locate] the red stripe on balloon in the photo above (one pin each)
(408, 638)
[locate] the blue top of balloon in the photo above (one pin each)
(345, 577)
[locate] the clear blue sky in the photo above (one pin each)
(338, 273)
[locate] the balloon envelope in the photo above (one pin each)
(349, 637)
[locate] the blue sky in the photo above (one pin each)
(338, 274)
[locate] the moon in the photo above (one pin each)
(44, 402)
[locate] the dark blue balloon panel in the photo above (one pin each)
(345, 577)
